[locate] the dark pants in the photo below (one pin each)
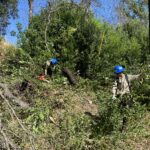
(49, 71)
(125, 104)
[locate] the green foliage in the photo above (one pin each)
(134, 9)
(111, 116)
(88, 46)
(94, 48)
(17, 63)
(73, 132)
(138, 32)
(143, 95)
(39, 117)
(68, 33)
(8, 9)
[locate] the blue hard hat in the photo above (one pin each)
(119, 69)
(54, 61)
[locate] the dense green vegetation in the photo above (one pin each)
(8, 9)
(81, 117)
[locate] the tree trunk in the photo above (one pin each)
(149, 22)
(30, 2)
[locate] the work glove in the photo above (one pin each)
(114, 97)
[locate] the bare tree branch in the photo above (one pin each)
(30, 3)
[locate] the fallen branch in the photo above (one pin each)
(11, 97)
(19, 121)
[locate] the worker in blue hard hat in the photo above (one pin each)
(50, 66)
(122, 83)
(121, 89)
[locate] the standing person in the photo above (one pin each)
(121, 89)
(50, 66)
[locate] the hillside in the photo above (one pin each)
(75, 81)
(61, 116)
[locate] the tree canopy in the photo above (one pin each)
(90, 46)
(8, 9)
(135, 9)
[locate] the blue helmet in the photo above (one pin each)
(54, 61)
(119, 69)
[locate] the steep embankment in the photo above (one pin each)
(58, 116)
